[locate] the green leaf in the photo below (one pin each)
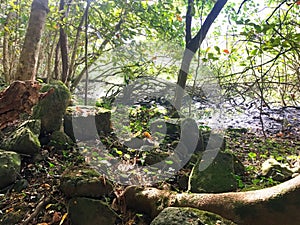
(127, 156)
(217, 49)
(118, 151)
(279, 158)
(254, 52)
(210, 55)
(169, 162)
(252, 155)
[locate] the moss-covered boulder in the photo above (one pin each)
(10, 165)
(277, 171)
(86, 122)
(188, 216)
(60, 140)
(84, 182)
(33, 125)
(23, 141)
(52, 108)
(86, 211)
(219, 176)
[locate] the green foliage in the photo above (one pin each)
(262, 45)
(254, 150)
(141, 116)
(261, 51)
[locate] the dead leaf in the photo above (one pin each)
(56, 217)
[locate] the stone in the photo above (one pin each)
(84, 182)
(86, 122)
(50, 110)
(60, 140)
(33, 125)
(277, 171)
(219, 176)
(188, 216)
(134, 143)
(10, 165)
(20, 185)
(23, 141)
(86, 211)
(154, 156)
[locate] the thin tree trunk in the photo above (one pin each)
(6, 55)
(102, 46)
(192, 45)
(51, 56)
(75, 46)
(28, 60)
(63, 43)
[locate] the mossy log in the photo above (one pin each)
(276, 205)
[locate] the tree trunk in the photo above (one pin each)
(63, 42)
(192, 45)
(76, 42)
(29, 56)
(276, 205)
(6, 55)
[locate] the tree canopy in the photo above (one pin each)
(255, 43)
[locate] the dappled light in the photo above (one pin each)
(149, 112)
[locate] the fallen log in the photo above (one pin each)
(276, 205)
(19, 98)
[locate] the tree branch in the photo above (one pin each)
(189, 17)
(200, 36)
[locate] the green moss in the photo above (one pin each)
(60, 140)
(187, 216)
(52, 108)
(24, 141)
(80, 173)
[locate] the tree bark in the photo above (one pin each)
(273, 206)
(192, 45)
(29, 56)
(19, 98)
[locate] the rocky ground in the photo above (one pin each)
(36, 197)
(45, 193)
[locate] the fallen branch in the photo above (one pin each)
(37, 210)
(273, 206)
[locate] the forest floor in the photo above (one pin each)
(42, 202)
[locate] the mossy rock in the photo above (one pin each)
(86, 211)
(188, 216)
(52, 108)
(10, 165)
(60, 140)
(86, 122)
(33, 125)
(219, 176)
(23, 141)
(84, 182)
